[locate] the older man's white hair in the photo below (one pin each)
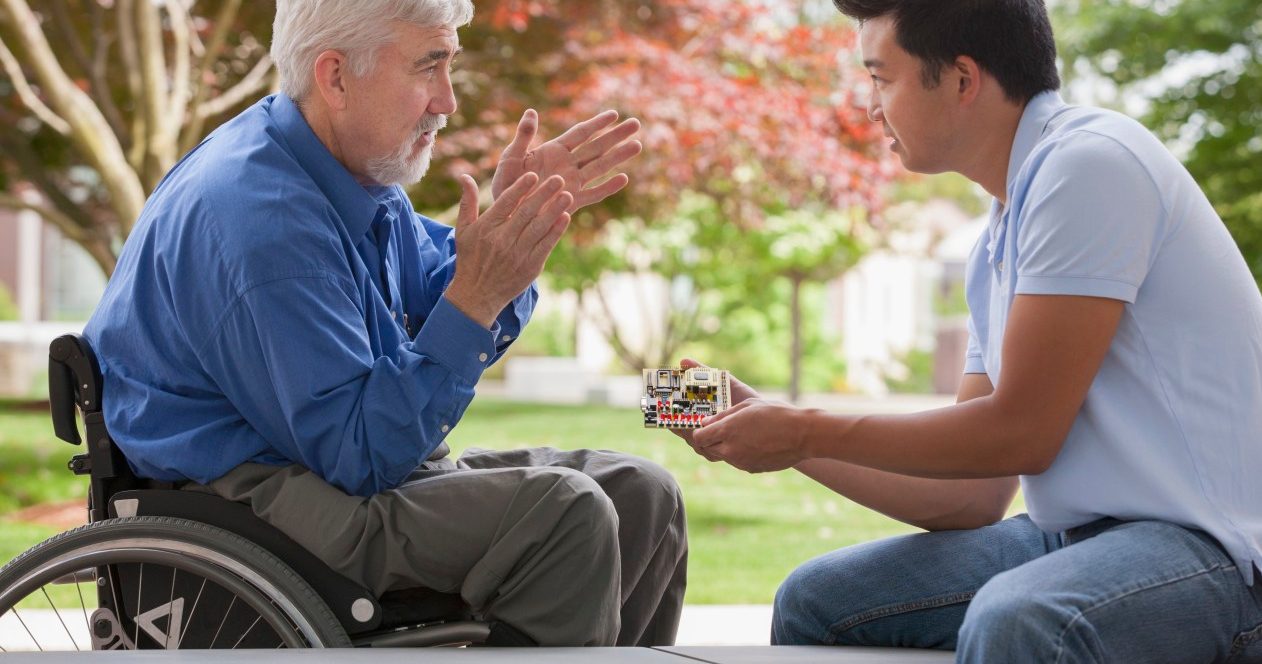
(305, 28)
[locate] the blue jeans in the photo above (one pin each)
(1111, 591)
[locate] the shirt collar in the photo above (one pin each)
(1038, 113)
(356, 207)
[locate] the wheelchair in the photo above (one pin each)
(174, 569)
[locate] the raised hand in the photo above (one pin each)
(504, 250)
(584, 154)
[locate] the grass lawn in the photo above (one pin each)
(747, 532)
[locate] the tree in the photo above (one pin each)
(1199, 63)
(804, 246)
(752, 109)
(104, 96)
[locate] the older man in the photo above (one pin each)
(285, 331)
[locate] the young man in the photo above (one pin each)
(285, 331)
(1114, 373)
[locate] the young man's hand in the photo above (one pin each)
(756, 436)
(740, 393)
(584, 154)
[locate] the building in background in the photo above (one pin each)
(901, 299)
(53, 284)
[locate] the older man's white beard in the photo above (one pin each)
(400, 167)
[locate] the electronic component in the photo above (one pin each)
(681, 398)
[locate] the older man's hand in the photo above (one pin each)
(503, 250)
(586, 153)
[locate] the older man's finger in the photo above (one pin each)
(601, 191)
(583, 131)
(526, 130)
(593, 149)
(610, 160)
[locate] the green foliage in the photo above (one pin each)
(730, 285)
(917, 377)
(953, 187)
(746, 532)
(34, 463)
(749, 334)
(1199, 62)
(8, 309)
(952, 303)
(549, 335)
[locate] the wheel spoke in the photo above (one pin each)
(28, 629)
(221, 623)
(44, 589)
(190, 614)
(247, 632)
(83, 605)
(140, 586)
(166, 641)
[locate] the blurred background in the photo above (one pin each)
(767, 229)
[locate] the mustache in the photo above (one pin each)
(429, 123)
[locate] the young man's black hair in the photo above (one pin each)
(1011, 39)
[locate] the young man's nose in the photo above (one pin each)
(875, 114)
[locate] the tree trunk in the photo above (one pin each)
(795, 359)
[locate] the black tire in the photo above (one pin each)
(246, 572)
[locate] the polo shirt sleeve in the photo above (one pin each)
(293, 356)
(512, 320)
(974, 360)
(1090, 221)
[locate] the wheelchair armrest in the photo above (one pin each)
(354, 605)
(74, 380)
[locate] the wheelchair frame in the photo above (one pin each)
(122, 503)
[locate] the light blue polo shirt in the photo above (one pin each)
(1171, 428)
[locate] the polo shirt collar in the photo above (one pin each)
(1038, 113)
(355, 206)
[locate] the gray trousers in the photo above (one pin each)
(571, 548)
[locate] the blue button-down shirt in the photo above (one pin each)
(1170, 427)
(269, 308)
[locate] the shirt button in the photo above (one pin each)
(445, 428)
(1000, 266)
(482, 357)
(507, 338)
(395, 315)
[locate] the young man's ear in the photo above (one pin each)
(331, 78)
(970, 78)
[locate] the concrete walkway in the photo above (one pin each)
(701, 625)
(709, 634)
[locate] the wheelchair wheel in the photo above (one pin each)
(158, 582)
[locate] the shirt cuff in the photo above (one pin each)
(455, 341)
(1088, 286)
(973, 364)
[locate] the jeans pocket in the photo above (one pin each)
(1247, 646)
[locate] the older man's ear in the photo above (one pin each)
(330, 79)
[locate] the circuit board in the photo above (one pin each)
(681, 398)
